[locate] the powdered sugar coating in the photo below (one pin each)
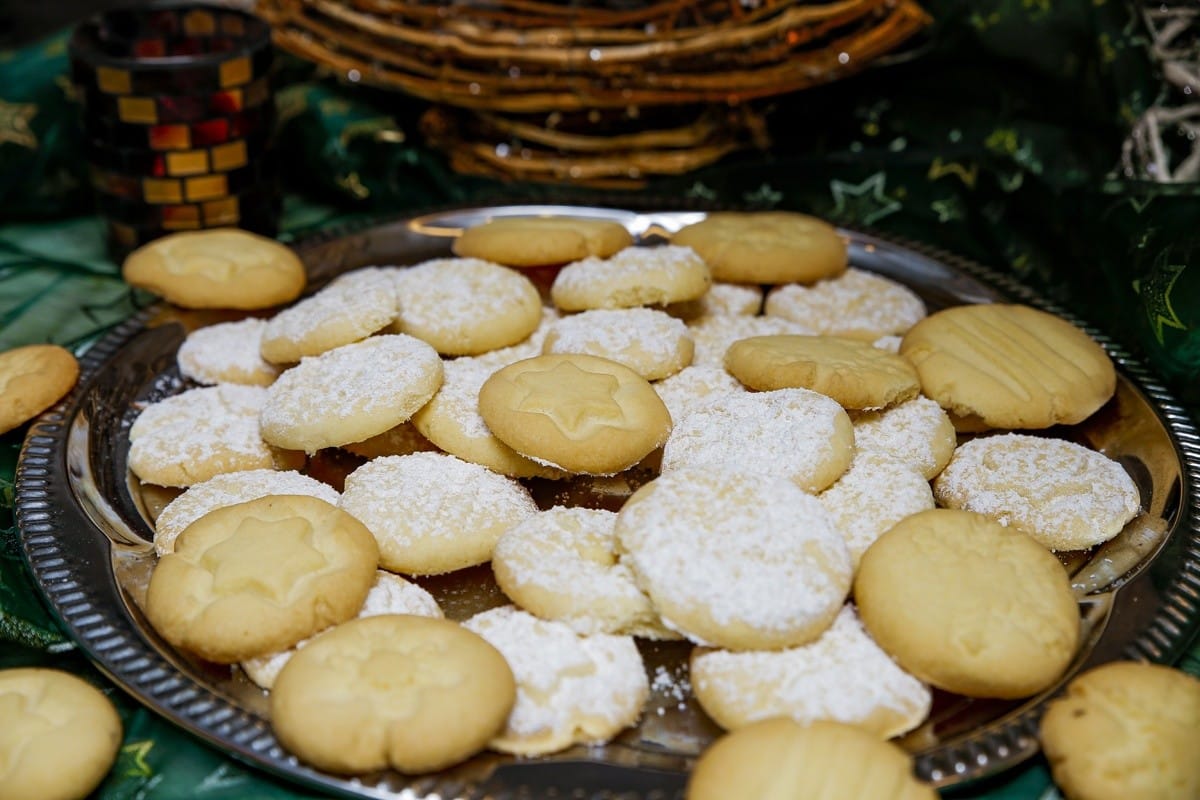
(570, 688)
(858, 304)
(713, 335)
(230, 489)
(1064, 495)
(795, 433)
(652, 343)
(731, 299)
(843, 676)
(350, 393)
(917, 431)
(635, 276)
(432, 512)
(350, 308)
(227, 352)
(527, 348)
(741, 560)
(691, 385)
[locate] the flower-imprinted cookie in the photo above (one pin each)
(766, 246)
(541, 241)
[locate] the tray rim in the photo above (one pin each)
(249, 739)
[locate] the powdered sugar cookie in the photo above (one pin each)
(794, 433)
(389, 594)
(541, 241)
(227, 352)
(636, 276)
(527, 348)
(741, 560)
(721, 300)
(464, 306)
(562, 564)
(651, 343)
(352, 307)
(872, 496)
(766, 246)
(451, 420)
(693, 384)
(842, 676)
(1064, 495)
(33, 378)
(398, 441)
(856, 304)
(432, 512)
(917, 431)
(713, 335)
(230, 489)
(194, 435)
(350, 393)
(570, 688)
(853, 373)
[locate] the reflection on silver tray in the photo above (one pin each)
(85, 534)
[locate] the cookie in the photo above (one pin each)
(562, 564)
(636, 276)
(451, 420)
(713, 335)
(1009, 366)
(217, 268)
(60, 735)
(33, 378)
(227, 352)
(411, 693)
(578, 412)
(541, 241)
(793, 433)
(432, 512)
(351, 308)
(199, 433)
(842, 676)
(691, 385)
(856, 304)
(257, 577)
(389, 594)
(917, 431)
(968, 605)
(230, 489)
(766, 246)
(398, 441)
(570, 688)
(740, 560)
(1125, 730)
(350, 393)
(528, 347)
(855, 374)
(1064, 495)
(721, 300)
(651, 343)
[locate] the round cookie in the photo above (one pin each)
(918, 432)
(60, 735)
(570, 688)
(652, 343)
(713, 335)
(411, 693)
(541, 241)
(1125, 730)
(464, 306)
(779, 758)
(389, 594)
(855, 374)
(1009, 366)
(527, 348)
(451, 421)
(856, 304)
(398, 441)
(693, 384)
(636, 276)
(350, 393)
(741, 560)
(578, 412)
(228, 352)
(352, 307)
(432, 512)
(229, 489)
(794, 433)
(721, 300)
(843, 676)
(968, 605)
(257, 577)
(33, 378)
(217, 268)
(562, 564)
(766, 246)
(194, 435)
(1064, 495)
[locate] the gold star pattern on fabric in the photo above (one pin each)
(14, 124)
(132, 759)
(1155, 292)
(967, 174)
(264, 557)
(577, 401)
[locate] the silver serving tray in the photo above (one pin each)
(85, 532)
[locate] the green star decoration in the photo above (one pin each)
(1155, 292)
(865, 202)
(133, 759)
(14, 124)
